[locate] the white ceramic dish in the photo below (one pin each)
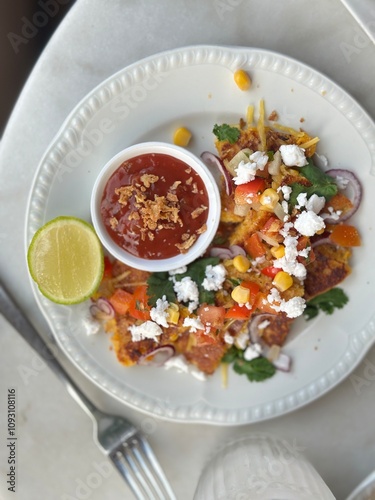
(365, 490)
(194, 87)
(213, 217)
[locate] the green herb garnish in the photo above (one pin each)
(159, 284)
(326, 302)
(197, 272)
(322, 184)
(226, 133)
(256, 370)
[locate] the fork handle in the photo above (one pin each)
(20, 322)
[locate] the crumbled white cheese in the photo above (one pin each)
(301, 200)
(194, 324)
(187, 291)
(292, 308)
(245, 172)
(260, 159)
(215, 277)
(284, 231)
(286, 190)
(309, 223)
(332, 214)
(292, 155)
(158, 313)
(252, 352)
(179, 270)
(146, 330)
(285, 206)
(341, 182)
(315, 203)
(178, 363)
(228, 338)
(288, 262)
(305, 252)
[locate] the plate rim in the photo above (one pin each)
(209, 414)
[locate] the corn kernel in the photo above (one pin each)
(321, 231)
(182, 137)
(242, 79)
(240, 294)
(173, 313)
(241, 263)
(282, 281)
(278, 252)
(269, 198)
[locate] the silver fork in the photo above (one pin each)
(119, 439)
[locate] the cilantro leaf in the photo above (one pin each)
(159, 284)
(197, 272)
(326, 302)
(322, 184)
(226, 133)
(230, 355)
(256, 370)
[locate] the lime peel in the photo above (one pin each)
(65, 259)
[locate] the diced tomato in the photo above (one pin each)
(254, 247)
(254, 289)
(107, 268)
(273, 225)
(345, 235)
(211, 316)
(270, 271)
(262, 304)
(304, 242)
(272, 228)
(121, 301)
(249, 192)
(202, 338)
(139, 307)
(239, 312)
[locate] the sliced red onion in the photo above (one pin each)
(237, 250)
(158, 356)
(221, 252)
(227, 253)
(353, 190)
(322, 239)
(102, 309)
(212, 160)
(283, 362)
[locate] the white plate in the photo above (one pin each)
(365, 490)
(194, 87)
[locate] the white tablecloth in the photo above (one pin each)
(56, 456)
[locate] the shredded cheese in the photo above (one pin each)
(250, 115)
(261, 127)
(309, 143)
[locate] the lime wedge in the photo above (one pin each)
(65, 259)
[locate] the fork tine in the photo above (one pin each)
(158, 471)
(118, 459)
(136, 461)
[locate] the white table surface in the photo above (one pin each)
(56, 456)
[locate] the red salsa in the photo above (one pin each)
(155, 206)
